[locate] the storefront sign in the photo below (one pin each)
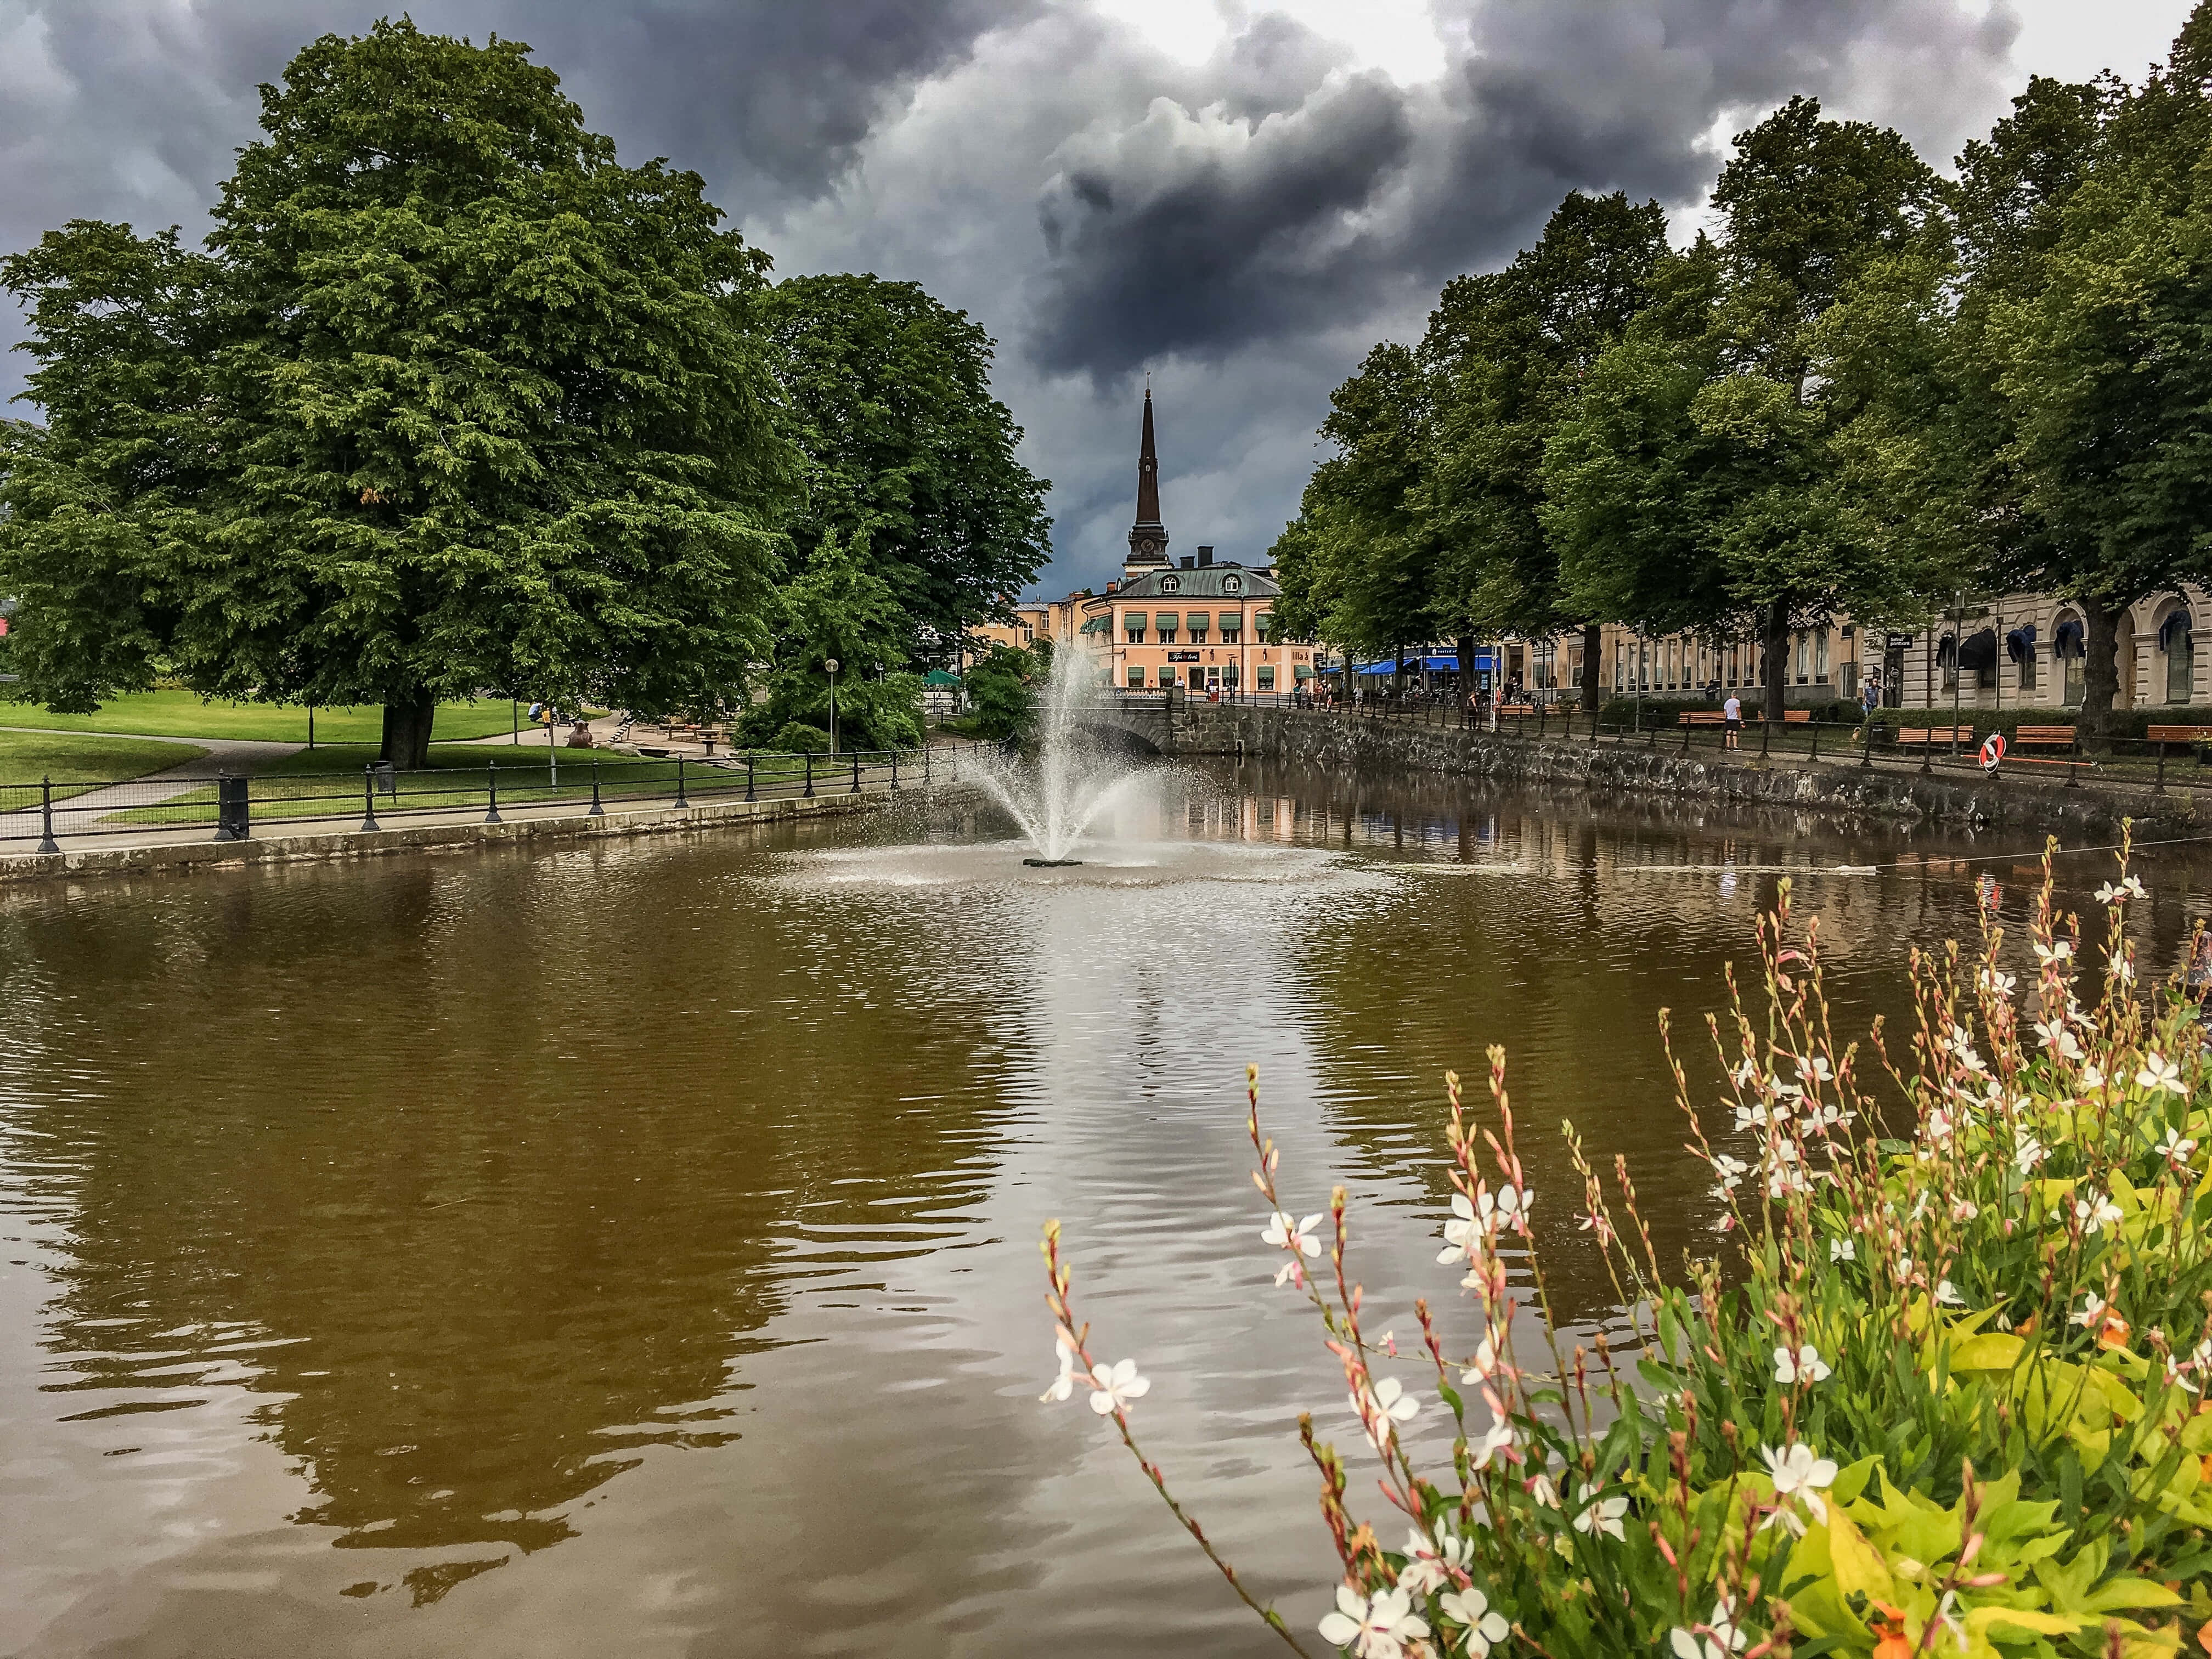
(1182, 656)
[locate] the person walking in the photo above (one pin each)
(1732, 719)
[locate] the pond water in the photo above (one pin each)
(632, 1248)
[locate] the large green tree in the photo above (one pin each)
(451, 400)
(1509, 354)
(839, 609)
(890, 403)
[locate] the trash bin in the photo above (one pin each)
(234, 810)
(387, 777)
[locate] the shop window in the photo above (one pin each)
(1136, 635)
(1802, 675)
(1947, 661)
(1136, 677)
(2180, 645)
(2028, 664)
(1820, 657)
(1267, 678)
(1167, 678)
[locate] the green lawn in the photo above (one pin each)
(27, 757)
(181, 714)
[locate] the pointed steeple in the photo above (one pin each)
(1148, 536)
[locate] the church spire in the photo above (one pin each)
(1148, 536)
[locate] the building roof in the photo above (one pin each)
(1203, 583)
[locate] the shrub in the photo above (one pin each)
(1942, 1395)
(797, 737)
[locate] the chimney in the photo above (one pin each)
(1111, 586)
(1205, 557)
(1188, 562)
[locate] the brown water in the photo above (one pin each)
(632, 1248)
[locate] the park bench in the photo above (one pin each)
(1920, 737)
(2177, 734)
(2044, 737)
(1516, 711)
(1796, 716)
(1704, 717)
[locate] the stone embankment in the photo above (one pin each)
(2041, 801)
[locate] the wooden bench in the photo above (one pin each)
(2046, 737)
(1919, 737)
(1516, 711)
(1796, 716)
(1704, 717)
(2177, 734)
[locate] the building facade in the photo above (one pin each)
(2029, 651)
(1200, 623)
(1822, 663)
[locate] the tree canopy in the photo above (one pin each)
(890, 406)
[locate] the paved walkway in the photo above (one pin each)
(232, 755)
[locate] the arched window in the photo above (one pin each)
(1232, 584)
(2066, 644)
(2177, 638)
(1170, 585)
(1947, 661)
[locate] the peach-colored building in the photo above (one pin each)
(1201, 624)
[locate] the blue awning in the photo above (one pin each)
(1436, 662)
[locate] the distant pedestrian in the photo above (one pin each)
(1732, 719)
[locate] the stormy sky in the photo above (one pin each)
(1238, 196)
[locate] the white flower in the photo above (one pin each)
(1804, 1362)
(1375, 1627)
(1746, 1074)
(2109, 894)
(1485, 1365)
(1815, 1069)
(1380, 1411)
(2159, 1073)
(1298, 1238)
(1726, 1638)
(1798, 1472)
(2058, 950)
(2123, 970)
(1462, 1231)
(1064, 1384)
(2095, 1212)
(1494, 1439)
(1544, 1491)
(1485, 1625)
(1990, 980)
(1430, 1563)
(1731, 1170)
(1113, 1390)
(2027, 1152)
(1509, 1206)
(2093, 1309)
(1843, 1250)
(2056, 1037)
(2176, 1147)
(1947, 1294)
(1601, 1515)
(2092, 1078)
(2134, 884)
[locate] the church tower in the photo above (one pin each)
(1148, 536)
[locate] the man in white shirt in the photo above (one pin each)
(1732, 717)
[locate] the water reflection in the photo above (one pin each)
(654, 1224)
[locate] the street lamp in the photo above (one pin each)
(830, 663)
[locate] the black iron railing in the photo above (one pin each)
(43, 817)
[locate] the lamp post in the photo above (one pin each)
(830, 663)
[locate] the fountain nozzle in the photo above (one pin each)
(1051, 864)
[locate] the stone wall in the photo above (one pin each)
(1898, 791)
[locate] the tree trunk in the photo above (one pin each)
(2100, 675)
(1593, 642)
(407, 733)
(1777, 662)
(1465, 644)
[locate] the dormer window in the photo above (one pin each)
(1170, 585)
(1232, 584)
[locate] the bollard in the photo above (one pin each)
(1866, 754)
(1766, 737)
(1928, 750)
(749, 779)
(2073, 781)
(856, 774)
(682, 800)
(809, 775)
(491, 773)
(597, 810)
(1816, 739)
(1655, 737)
(895, 771)
(1686, 737)
(2159, 788)
(46, 841)
(369, 826)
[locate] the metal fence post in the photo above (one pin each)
(597, 810)
(925, 761)
(2161, 789)
(682, 799)
(368, 823)
(1816, 739)
(894, 771)
(46, 841)
(749, 779)
(1686, 737)
(1766, 736)
(1866, 752)
(234, 812)
(809, 775)
(856, 772)
(491, 775)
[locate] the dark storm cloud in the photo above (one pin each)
(1245, 226)
(1195, 230)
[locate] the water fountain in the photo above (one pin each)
(1074, 779)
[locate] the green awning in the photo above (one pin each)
(940, 677)
(1301, 672)
(1133, 619)
(1232, 619)
(1097, 625)
(1262, 622)
(1168, 619)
